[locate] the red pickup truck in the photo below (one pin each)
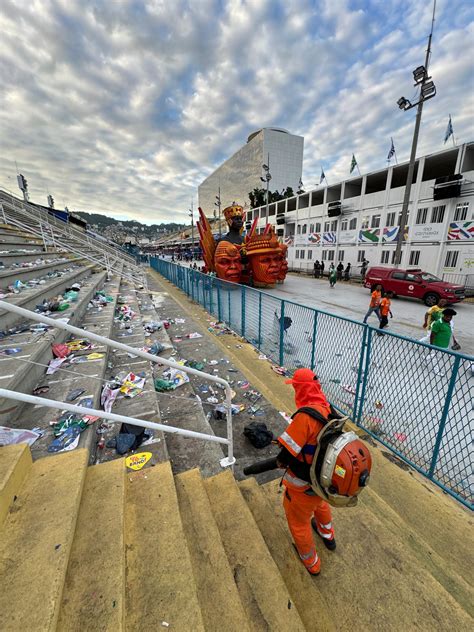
(414, 283)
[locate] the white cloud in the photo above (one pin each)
(125, 107)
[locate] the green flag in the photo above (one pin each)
(353, 164)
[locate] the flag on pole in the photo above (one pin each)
(353, 164)
(323, 176)
(391, 153)
(449, 130)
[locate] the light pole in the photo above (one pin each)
(267, 179)
(427, 91)
(191, 215)
(218, 205)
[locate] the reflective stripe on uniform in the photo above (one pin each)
(326, 526)
(326, 536)
(285, 437)
(306, 556)
(294, 480)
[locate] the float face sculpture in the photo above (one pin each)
(234, 216)
(283, 261)
(227, 262)
(264, 259)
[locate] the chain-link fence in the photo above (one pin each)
(411, 397)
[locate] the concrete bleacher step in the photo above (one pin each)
(21, 372)
(160, 585)
(94, 591)
(21, 246)
(9, 235)
(10, 275)
(459, 586)
(36, 542)
(314, 610)
(15, 463)
(29, 298)
(217, 592)
(373, 581)
(263, 593)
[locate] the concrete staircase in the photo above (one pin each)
(104, 548)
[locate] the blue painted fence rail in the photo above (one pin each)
(411, 397)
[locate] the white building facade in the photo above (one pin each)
(241, 173)
(438, 237)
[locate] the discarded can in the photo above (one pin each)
(101, 443)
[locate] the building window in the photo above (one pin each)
(317, 227)
(437, 214)
(311, 228)
(341, 255)
(421, 215)
(297, 254)
(365, 222)
(390, 219)
(414, 257)
(460, 213)
(344, 224)
(334, 226)
(301, 254)
(360, 256)
(310, 254)
(353, 223)
(400, 218)
(385, 256)
(393, 256)
(304, 229)
(451, 259)
(328, 255)
(326, 227)
(375, 223)
(298, 229)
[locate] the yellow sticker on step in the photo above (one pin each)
(340, 471)
(137, 461)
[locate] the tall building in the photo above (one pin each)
(359, 218)
(241, 173)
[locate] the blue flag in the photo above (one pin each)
(391, 153)
(449, 130)
(353, 164)
(323, 176)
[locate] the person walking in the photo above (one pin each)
(432, 315)
(332, 276)
(347, 272)
(374, 306)
(442, 331)
(322, 269)
(385, 310)
(304, 510)
(363, 268)
(340, 270)
(317, 269)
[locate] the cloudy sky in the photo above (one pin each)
(125, 106)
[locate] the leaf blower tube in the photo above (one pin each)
(261, 466)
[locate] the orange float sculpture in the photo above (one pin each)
(256, 259)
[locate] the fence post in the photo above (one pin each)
(444, 416)
(219, 307)
(211, 293)
(362, 374)
(242, 317)
(282, 333)
(259, 319)
(313, 350)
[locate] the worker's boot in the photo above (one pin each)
(329, 543)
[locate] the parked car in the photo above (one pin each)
(414, 282)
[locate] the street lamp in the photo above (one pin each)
(267, 179)
(427, 91)
(191, 215)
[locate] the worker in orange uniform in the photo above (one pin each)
(374, 306)
(303, 508)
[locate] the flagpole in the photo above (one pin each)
(454, 142)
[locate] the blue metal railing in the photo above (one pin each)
(413, 398)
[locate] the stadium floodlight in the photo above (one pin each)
(419, 74)
(428, 90)
(403, 104)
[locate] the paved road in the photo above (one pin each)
(351, 300)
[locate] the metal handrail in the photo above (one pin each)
(227, 461)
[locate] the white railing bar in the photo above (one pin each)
(133, 421)
(83, 333)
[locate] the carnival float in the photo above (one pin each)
(254, 259)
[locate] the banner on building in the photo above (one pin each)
(460, 231)
(348, 237)
(390, 234)
(289, 241)
(427, 232)
(314, 239)
(329, 239)
(369, 235)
